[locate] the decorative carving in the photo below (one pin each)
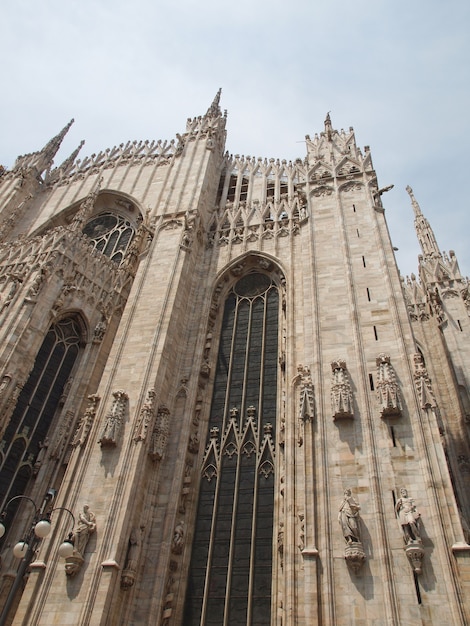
(354, 555)
(100, 329)
(160, 434)
(132, 558)
(66, 390)
(178, 539)
(388, 392)
(5, 383)
(37, 284)
(61, 437)
(349, 520)
(423, 383)
(188, 232)
(280, 543)
(193, 445)
(415, 553)
(186, 485)
(145, 416)
(43, 445)
(341, 392)
(307, 403)
(114, 419)
(84, 426)
(301, 531)
(85, 528)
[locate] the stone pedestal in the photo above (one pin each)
(73, 563)
(354, 555)
(414, 551)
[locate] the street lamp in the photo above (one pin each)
(26, 548)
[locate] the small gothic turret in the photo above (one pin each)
(328, 126)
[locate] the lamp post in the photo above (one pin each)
(25, 548)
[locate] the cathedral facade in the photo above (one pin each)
(216, 385)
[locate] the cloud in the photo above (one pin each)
(398, 72)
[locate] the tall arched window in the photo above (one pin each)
(111, 234)
(36, 406)
(231, 566)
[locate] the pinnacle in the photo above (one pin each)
(51, 148)
(214, 109)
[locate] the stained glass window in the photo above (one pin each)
(111, 234)
(231, 567)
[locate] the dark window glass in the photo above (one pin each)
(36, 406)
(231, 564)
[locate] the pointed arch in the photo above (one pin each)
(38, 402)
(230, 572)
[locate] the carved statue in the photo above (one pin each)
(348, 517)
(86, 527)
(178, 539)
(132, 559)
(408, 516)
(99, 330)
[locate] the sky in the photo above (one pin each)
(397, 72)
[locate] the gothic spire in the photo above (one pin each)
(71, 159)
(214, 109)
(425, 234)
(50, 149)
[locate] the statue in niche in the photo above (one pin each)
(348, 517)
(85, 528)
(409, 517)
(132, 558)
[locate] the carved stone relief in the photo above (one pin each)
(388, 392)
(423, 383)
(161, 431)
(145, 416)
(84, 426)
(114, 420)
(341, 392)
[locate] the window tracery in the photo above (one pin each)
(111, 234)
(231, 569)
(36, 406)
